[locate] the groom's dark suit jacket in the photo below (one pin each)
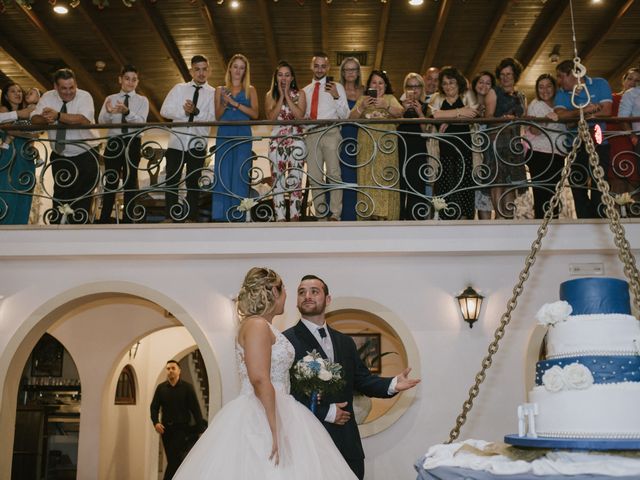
(357, 377)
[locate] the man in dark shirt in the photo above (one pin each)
(179, 404)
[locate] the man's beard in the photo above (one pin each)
(315, 309)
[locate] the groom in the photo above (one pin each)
(336, 411)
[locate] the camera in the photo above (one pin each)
(371, 92)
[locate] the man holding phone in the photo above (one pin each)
(326, 100)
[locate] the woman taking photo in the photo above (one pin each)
(378, 150)
(412, 151)
(454, 101)
(236, 101)
(286, 148)
(351, 79)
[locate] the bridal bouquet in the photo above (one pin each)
(313, 375)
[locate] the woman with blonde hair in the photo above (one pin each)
(351, 79)
(264, 432)
(412, 151)
(235, 101)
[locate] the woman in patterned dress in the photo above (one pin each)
(287, 148)
(378, 150)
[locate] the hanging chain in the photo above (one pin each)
(624, 253)
(517, 290)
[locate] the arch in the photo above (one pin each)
(401, 331)
(126, 386)
(43, 317)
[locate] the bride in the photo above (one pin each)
(264, 433)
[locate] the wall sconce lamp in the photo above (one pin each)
(470, 303)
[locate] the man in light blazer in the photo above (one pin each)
(336, 411)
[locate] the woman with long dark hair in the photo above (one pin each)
(287, 149)
(378, 152)
(17, 167)
(547, 156)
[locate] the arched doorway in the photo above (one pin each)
(48, 414)
(119, 319)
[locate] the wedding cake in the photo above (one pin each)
(588, 387)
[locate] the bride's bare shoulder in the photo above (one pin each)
(254, 326)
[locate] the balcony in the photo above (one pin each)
(423, 170)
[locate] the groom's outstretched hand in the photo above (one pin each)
(404, 382)
(342, 416)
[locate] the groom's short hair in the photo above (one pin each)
(313, 277)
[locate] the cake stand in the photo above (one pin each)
(574, 443)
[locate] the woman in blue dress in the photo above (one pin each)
(236, 101)
(351, 78)
(17, 167)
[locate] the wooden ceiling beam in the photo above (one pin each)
(86, 80)
(539, 33)
(152, 16)
(90, 19)
(207, 12)
(436, 34)
(270, 38)
(500, 16)
(606, 27)
(23, 62)
(632, 60)
(324, 26)
(382, 34)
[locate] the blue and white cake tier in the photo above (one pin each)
(589, 385)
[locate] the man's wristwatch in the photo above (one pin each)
(196, 111)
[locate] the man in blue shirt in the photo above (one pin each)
(599, 106)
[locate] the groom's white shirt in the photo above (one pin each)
(327, 346)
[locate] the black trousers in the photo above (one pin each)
(583, 183)
(176, 160)
(544, 168)
(121, 161)
(176, 442)
(412, 155)
(75, 178)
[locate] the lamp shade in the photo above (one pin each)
(470, 303)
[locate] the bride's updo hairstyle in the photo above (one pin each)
(256, 295)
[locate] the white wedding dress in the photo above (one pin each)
(237, 444)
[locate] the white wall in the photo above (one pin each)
(412, 270)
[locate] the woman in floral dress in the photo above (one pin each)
(378, 151)
(287, 148)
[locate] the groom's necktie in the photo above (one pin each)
(325, 343)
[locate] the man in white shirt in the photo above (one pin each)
(122, 156)
(74, 162)
(188, 102)
(325, 101)
(336, 411)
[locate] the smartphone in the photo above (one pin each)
(329, 79)
(371, 92)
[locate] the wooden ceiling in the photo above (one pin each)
(160, 38)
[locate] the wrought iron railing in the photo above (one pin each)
(411, 170)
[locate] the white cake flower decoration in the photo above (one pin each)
(552, 313)
(553, 379)
(577, 376)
